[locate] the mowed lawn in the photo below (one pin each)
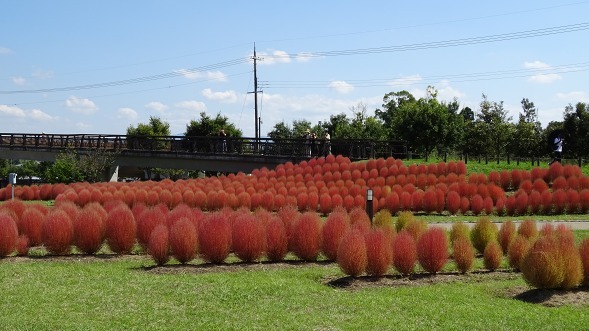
(125, 293)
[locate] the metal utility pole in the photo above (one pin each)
(257, 119)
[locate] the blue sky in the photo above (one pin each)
(100, 66)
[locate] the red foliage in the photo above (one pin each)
(584, 200)
(464, 205)
(183, 240)
(146, 222)
(334, 229)
(432, 249)
(30, 225)
(559, 183)
(57, 232)
(404, 253)
(158, 245)
(248, 237)
(463, 254)
(559, 201)
(505, 179)
(518, 248)
(306, 236)
(510, 205)
(556, 169)
(351, 255)
(121, 229)
(584, 253)
(214, 238)
(430, 201)
(573, 200)
(492, 256)
(379, 252)
(16, 206)
(476, 204)
(22, 245)
(507, 232)
(89, 231)
(8, 234)
(453, 202)
(276, 240)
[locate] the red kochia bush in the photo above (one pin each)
(334, 229)
(249, 237)
(22, 245)
(30, 225)
(276, 240)
(584, 253)
(214, 237)
(158, 245)
(379, 252)
(506, 234)
(528, 229)
(8, 234)
(492, 256)
(453, 202)
(463, 254)
(121, 229)
(183, 240)
(432, 249)
(352, 257)
(404, 253)
(57, 232)
(307, 236)
(146, 222)
(88, 231)
(518, 248)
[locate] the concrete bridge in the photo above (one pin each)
(209, 153)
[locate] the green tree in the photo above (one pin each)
(70, 167)
(527, 134)
(495, 126)
(145, 135)
(207, 126)
(281, 130)
(576, 129)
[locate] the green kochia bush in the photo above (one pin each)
(463, 254)
(483, 232)
(492, 256)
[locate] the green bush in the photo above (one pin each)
(483, 232)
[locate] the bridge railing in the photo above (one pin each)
(210, 145)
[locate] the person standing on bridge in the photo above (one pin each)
(326, 143)
(223, 137)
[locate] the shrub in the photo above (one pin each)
(570, 258)
(416, 228)
(404, 253)
(88, 231)
(57, 232)
(307, 236)
(183, 240)
(584, 254)
(483, 232)
(379, 252)
(121, 230)
(22, 245)
(30, 225)
(158, 244)
(334, 229)
(507, 232)
(528, 229)
(248, 237)
(459, 230)
(214, 238)
(492, 256)
(404, 218)
(518, 248)
(276, 240)
(559, 200)
(463, 254)
(146, 222)
(8, 234)
(476, 204)
(351, 255)
(453, 202)
(432, 249)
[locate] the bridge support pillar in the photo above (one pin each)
(112, 174)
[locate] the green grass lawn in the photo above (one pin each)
(122, 294)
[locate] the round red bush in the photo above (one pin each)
(334, 229)
(248, 237)
(158, 245)
(379, 252)
(507, 232)
(183, 240)
(31, 224)
(306, 236)
(8, 234)
(492, 256)
(432, 249)
(276, 240)
(88, 231)
(404, 253)
(518, 248)
(351, 254)
(463, 254)
(214, 238)
(57, 232)
(121, 230)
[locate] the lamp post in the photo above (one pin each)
(369, 205)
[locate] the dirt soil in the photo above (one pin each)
(550, 298)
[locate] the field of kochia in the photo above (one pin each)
(271, 213)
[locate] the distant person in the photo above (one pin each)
(326, 143)
(558, 142)
(223, 137)
(307, 137)
(313, 144)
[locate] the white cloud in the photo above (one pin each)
(574, 97)
(19, 80)
(40, 115)
(4, 50)
(226, 96)
(209, 75)
(157, 106)
(19, 113)
(191, 105)
(81, 106)
(82, 126)
(447, 92)
(541, 78)
(304, 57)
(274, 57)
(405, 81)
(42, 74)
(11, 111)
(127, 113)
(341, 86)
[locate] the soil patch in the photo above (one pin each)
(578, 297)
